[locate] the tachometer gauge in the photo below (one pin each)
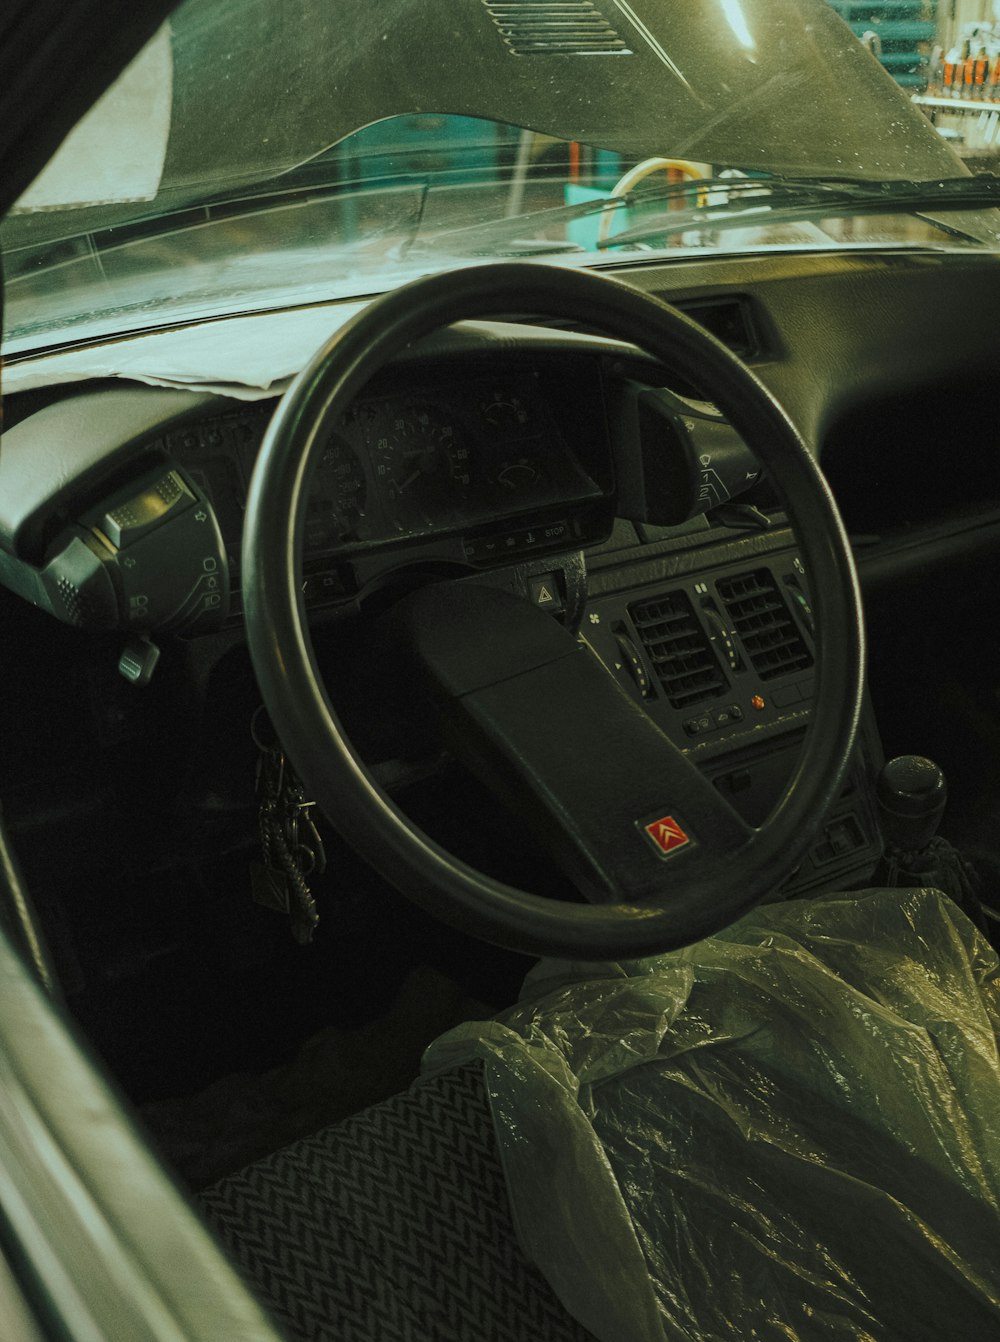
(338, 496)
(425, 468)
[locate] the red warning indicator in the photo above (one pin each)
(667, 834)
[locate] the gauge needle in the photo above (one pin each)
(409, 480)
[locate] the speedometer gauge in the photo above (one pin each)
(424, 466)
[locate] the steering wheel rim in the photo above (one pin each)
(306, 722)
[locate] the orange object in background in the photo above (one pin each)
(574, 160)
(675, 174)
(980, 72)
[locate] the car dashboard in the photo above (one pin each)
(466, 462)
(508, 454)
(472, 465)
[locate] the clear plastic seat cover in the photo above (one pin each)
(788, 1130)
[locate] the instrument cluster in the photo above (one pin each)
(456, 451)
(437, 460)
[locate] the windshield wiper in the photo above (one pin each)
(727, 202)
(777, 200)
(30, 259)
(520, 231)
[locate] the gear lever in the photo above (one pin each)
(911, 793)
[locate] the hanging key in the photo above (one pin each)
(269, 879)
(291, 846)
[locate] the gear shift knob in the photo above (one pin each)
(911, 793)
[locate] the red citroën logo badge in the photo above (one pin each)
(667, 834)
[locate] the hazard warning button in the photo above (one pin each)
(544, 592)
(667, 835)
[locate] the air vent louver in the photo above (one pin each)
(762, 620)
(555, 28)
(678, 648)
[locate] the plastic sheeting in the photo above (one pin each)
(790, 1130)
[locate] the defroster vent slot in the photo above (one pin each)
(555, 28)
(764, 624)
(679, 649)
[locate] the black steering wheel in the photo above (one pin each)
(678, 862)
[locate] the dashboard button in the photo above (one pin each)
(728, 716)
(544, 592)
(697, 726)
(630, 658)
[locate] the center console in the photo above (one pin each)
(713, 633)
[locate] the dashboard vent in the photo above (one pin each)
(678, 648)
(762, 620)
(555, 28)
(729, 320)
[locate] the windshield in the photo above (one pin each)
(273, 153)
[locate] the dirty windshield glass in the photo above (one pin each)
(305, 150)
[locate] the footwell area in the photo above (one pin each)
(336, 1073)
(230, 1037)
